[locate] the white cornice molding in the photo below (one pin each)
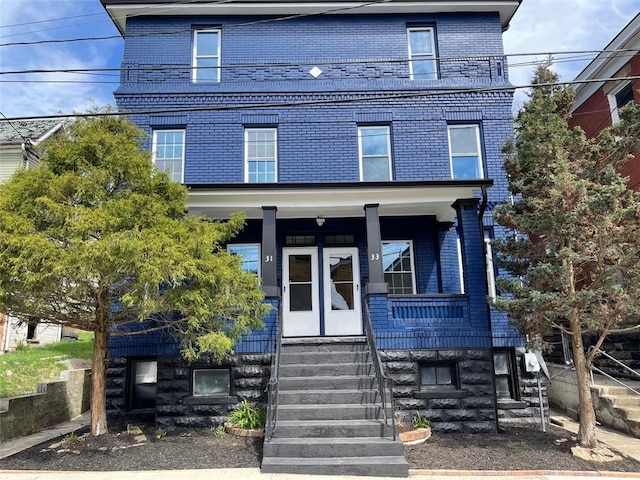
(120, 10)
(606, 64)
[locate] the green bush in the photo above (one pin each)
(248, 416)
(420, 421)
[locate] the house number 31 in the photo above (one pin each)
(268, 258)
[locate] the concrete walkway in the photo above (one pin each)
(623, 443)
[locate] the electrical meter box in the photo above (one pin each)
(531, 364)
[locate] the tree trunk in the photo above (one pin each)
(587, 429)
(98, 384)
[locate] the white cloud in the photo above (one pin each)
(541, 26)
(51, 95)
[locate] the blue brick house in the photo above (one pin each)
(363, 142)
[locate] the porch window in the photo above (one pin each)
(261, 155)
(505, 372)
(464, 152)
(250, 255)
(375, 153)
(397, 258)
(422, 54)
(168, 153)
(206, 56)
(438, 375)
(211, 382)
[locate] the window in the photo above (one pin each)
(422, 54)
(438, 375)
(144, 379)
(206, 56)
(261, 155)
(618, 98)
(397, 261)
(374, 145)
(250, 254)
(168, 152)
(504, 369)
(464, 152)
(207, 383)
(32, 328)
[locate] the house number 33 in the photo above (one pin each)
(375, 256)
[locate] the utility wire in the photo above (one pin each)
(305, 103)
(575, 56)
(13, 126)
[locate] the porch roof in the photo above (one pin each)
(333, 200)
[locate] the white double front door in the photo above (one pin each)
(305, 281)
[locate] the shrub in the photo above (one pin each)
(420, 421)
(248, 416)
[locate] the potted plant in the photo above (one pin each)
(420, 430)
(246, 421)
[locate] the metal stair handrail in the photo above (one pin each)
(382, 379)
(600, 352)
(274, 384)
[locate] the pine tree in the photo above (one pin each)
(573, 253)
(97, 239)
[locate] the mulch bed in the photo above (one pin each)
(515, 449)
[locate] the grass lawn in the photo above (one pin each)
(22, 369)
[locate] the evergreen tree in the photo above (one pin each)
(573, 256)
(97, 239)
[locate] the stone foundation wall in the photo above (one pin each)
(466, 409)
(175, 404)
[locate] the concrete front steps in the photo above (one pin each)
(330, 413)
(618, 407)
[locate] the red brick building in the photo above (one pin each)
(596, 106)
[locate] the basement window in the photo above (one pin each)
(211, 382)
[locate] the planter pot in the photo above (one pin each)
(244, 432)
(413, 437)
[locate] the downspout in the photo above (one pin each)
(483, 208)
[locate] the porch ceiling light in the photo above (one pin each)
(320, 221)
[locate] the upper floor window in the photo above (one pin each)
(250, 255)
(261, 155)
(397, 261)
(422, 54)
(464, 151)
(168, 152)
(206, 56)
(375, 153)
(618, 98)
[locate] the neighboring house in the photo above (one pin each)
(364, 146)
(595, 108)
(18, 149)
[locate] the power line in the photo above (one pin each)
(303, 103)
(575, 56)
(13, 126)
(50, 20)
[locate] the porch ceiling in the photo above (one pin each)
(336, 200)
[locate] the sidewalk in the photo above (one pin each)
(624, 443)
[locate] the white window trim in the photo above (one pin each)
(246, 152)
(231, 245)
(460, 265)
(478, 145)
(422, 55)
(413, 262)
(613, 103)
(491, 275)
(154, 147)
(195, 57)
(361, 157)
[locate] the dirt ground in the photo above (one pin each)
(515, 449)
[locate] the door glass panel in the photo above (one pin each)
(300, 297)
(341, 282)
(299, 268)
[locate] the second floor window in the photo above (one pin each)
(422, 54)
(206, 56)
(168, 152)
(375, 154)
(261, 155)
(464, 151)
(618, 99)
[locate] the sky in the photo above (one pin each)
(539, 26)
